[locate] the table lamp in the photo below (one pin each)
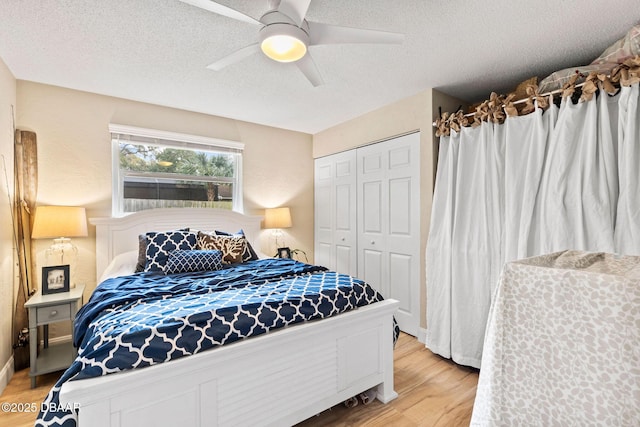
(60, 223)
(277, 219)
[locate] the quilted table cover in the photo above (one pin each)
(562, 345)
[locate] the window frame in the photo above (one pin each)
(171, 140)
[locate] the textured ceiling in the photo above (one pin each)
(156, 51)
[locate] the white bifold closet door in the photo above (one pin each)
(335, 213)
(389, 223)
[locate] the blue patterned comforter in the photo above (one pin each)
(149, 318)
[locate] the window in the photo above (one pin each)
(155, 169)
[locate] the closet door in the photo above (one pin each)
(389, 223)
(335, 212)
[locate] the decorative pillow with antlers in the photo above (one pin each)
(233, 248)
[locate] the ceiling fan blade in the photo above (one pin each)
(294, 9)
(309, 69)
(222, 10)
(333, 34)
(236, 56)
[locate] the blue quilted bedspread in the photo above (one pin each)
(149, 318)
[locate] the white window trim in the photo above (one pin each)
(175, 137)
(176, 140)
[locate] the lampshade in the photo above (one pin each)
(59, 221)
(283, 42)
(277, 218)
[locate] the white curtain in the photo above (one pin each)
(469, 175)
(565, 178)
(524, 164)
(627, 232)
(578, 192)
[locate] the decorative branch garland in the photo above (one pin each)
(498, 107)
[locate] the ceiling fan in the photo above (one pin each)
(285, 35)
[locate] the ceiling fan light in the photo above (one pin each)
(283, 48)
(283, 42)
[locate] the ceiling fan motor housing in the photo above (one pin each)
(281, 39)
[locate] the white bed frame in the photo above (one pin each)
(276, 379)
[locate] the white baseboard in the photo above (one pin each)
(422, 335)
(8, 369)
(6, 373)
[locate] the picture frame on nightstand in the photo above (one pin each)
(284, 253)
(55, 279)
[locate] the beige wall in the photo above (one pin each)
(7, 293)
(74, 161)
(410, 114)
(74, 158)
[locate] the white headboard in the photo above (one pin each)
(118, 235)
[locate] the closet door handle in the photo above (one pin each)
(373, 242)
(342, 239)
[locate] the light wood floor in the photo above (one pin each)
(432, 392)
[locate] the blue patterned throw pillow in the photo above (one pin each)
(160, 244)
(184, 261)
(142, 250)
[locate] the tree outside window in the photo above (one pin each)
(154, 176)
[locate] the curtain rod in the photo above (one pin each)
(520, 101)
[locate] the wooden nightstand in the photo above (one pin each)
(43, 311)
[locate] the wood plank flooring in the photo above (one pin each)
(432, 392)
(19, 391)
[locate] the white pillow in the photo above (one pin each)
(122, 265)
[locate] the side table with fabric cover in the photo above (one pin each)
(562, 345)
